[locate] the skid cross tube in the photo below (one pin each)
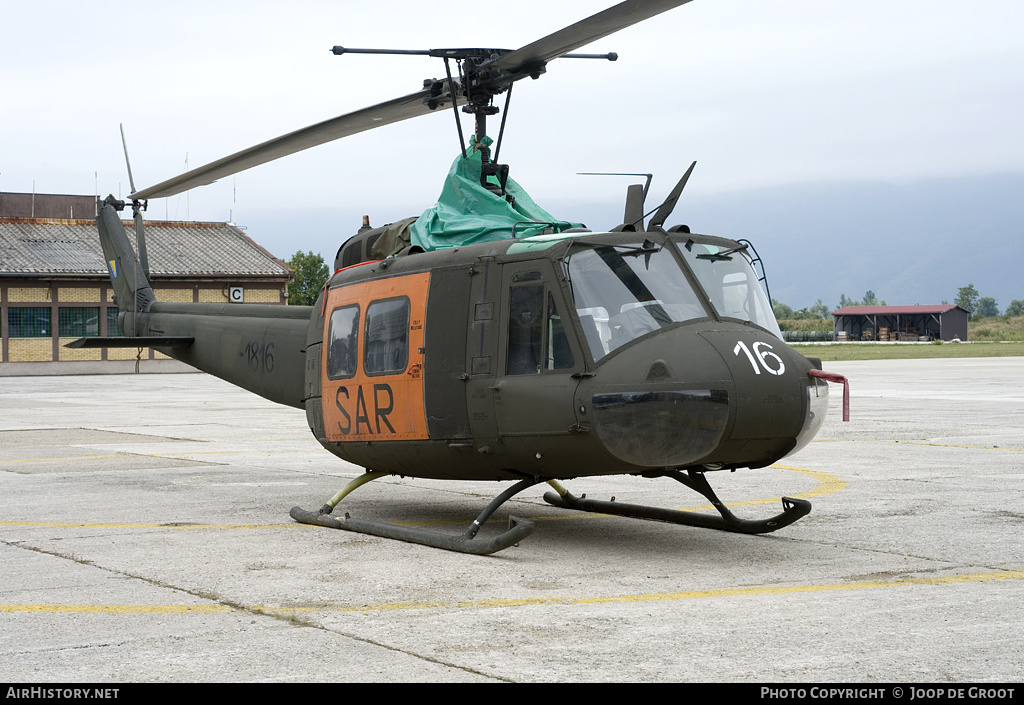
(793, 509)
(518, 528)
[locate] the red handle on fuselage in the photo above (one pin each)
(838, 379)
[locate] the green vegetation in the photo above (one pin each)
(993, 328)
(967, 297)
(908, 351)
(869, 300)
(806, 323)
(985, 306)
(310, 276)
(990, 337)
(996, 328)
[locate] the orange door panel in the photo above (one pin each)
(373, 360)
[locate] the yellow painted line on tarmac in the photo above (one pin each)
(920, 443)
(116, 609)
(527, 602)
(170, 455)
(827, 484)
(665, 596)
(169, 525)
(66, 457)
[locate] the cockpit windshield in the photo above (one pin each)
(622, 292)
(728, 278)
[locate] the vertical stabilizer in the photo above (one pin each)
(133, 293)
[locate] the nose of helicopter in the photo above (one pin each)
(732, 396)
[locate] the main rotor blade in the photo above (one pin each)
(342, 126)
(504, 70)
(606, 22)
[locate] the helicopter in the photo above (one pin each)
(485, 340)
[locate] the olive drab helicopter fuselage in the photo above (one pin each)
(556, 355)
(552, 354)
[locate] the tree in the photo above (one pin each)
(310, 276)
(869, 300)
(781, 310)
(1016, 308)
(987, 307)
(820, 310)
(967, 297)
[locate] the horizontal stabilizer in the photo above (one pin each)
(152, 341)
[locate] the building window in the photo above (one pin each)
(78, 321)
(113, 331)
(387, 337)
(29, 322)
(344, 337)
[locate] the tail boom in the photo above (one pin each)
(260, 348)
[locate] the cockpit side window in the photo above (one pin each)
(536, 335)
(525, 329)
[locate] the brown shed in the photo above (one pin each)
(901, 323)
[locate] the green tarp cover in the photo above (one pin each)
(466, 212)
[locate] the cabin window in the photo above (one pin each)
(536, 335)
(344, 340)
(387, 336)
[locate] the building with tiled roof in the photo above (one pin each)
(55, 287)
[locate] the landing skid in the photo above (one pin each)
(792, 509)
(518, 528)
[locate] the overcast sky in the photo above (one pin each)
(759, 92)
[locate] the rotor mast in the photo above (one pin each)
(481, 77)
